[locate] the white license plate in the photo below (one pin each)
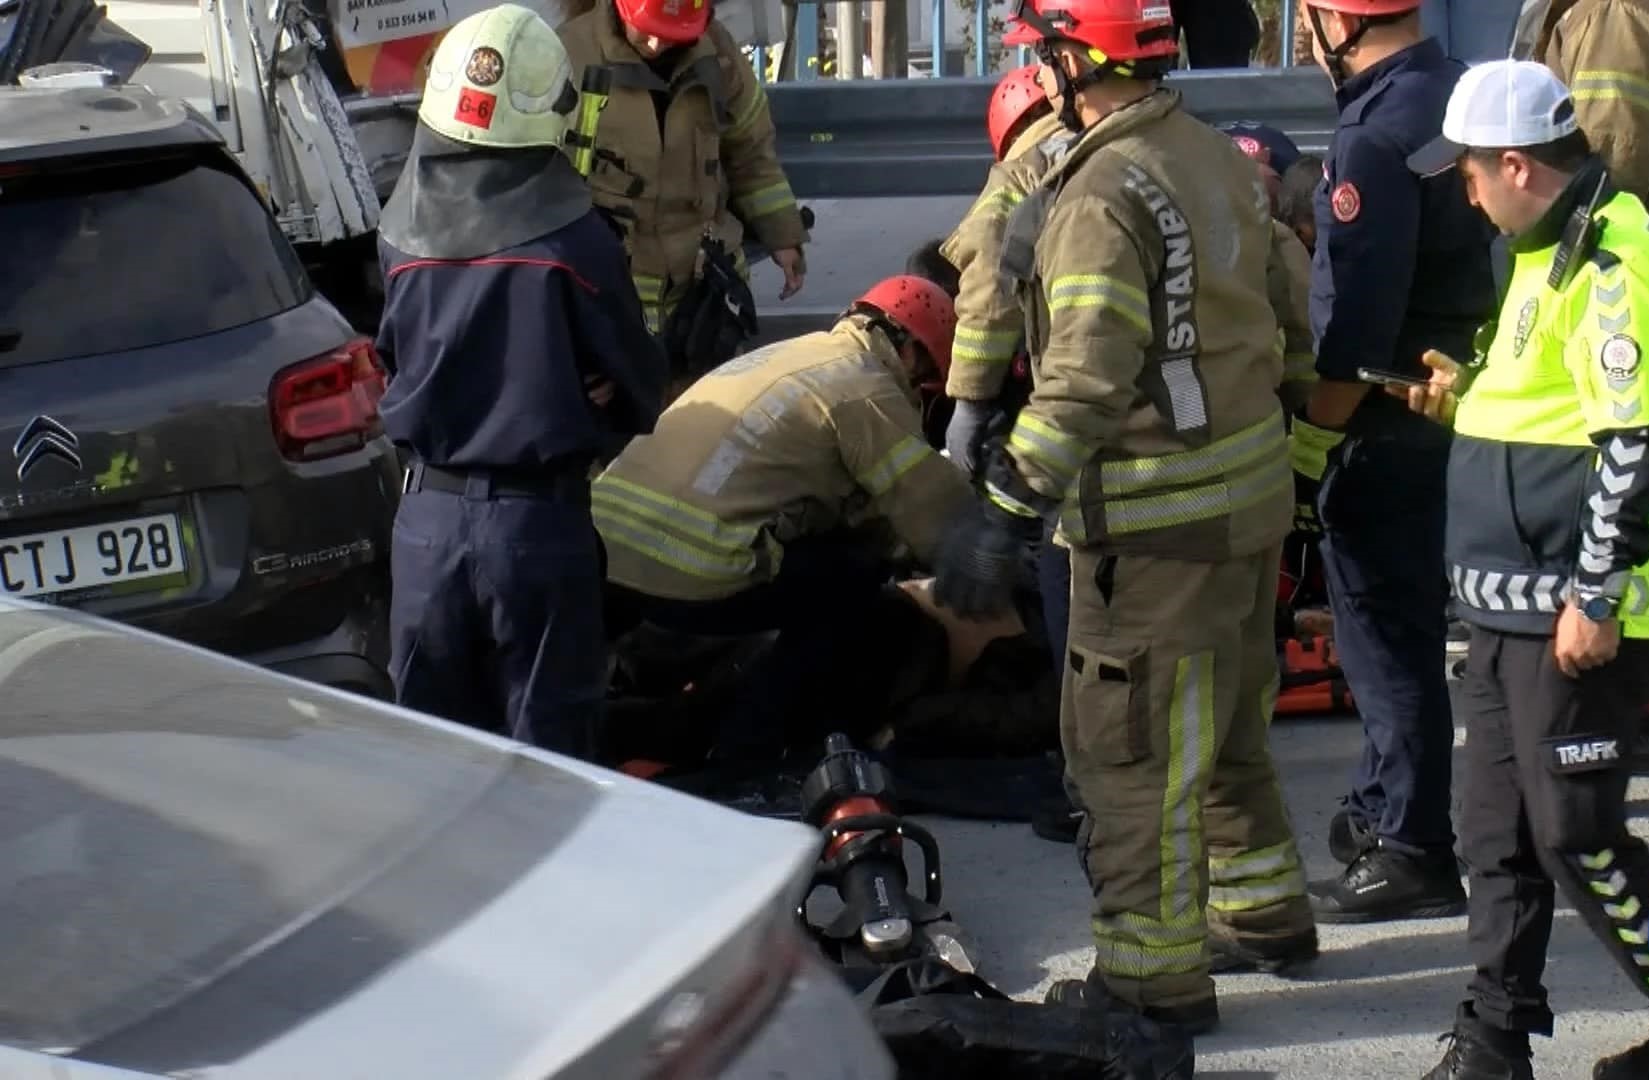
(71, 560)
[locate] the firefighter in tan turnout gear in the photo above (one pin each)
(676, 138)
(989, 325)
(1600, 49)
(1155, 433)
(763, 499)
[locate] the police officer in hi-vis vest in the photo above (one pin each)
(1548, 533)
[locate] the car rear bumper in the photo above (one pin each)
(351, 656)
(817, 1021)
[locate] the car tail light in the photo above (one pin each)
(328, 405)
(697, 1033)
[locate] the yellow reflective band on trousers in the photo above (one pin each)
(672, 532)
(976, 346)
(906, 454)
(1602, 84)
(769, 199)
(650, 289)
(1624, 910)
(1136, 946)
(1257, 469)
(1098, 290)
(1256, 879)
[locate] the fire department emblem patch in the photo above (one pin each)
(1346, 202)
(1620, 357)
(485, 67)
(1525, 324)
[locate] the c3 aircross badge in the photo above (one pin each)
(485, 67)
(1525, 323)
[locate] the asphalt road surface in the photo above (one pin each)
(1371, 1008)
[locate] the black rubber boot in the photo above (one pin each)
(1273, 956)
(1383, 885)
(1633, 1064)
(1139, 1048)
(1348, 838)
(1057, 820)
(1198, 1018)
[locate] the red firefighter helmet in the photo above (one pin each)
(921, 309)
(1121, 30)
(1015, 96)
(676, 22)
(1366, 7)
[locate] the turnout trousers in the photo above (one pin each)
(1170, 680)
(496, 609)
(1382, 505)
(1547, 762)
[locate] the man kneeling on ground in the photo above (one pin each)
(764, 498)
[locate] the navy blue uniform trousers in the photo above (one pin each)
(496, 617)
(1382, 505)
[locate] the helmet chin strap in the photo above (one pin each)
(1335, 58)
(1068, 87)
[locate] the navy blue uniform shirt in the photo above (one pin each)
(1402, 263)
(488, 356)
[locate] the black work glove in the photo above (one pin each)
(965, 436)
(982, 558)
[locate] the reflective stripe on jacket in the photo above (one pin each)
(794, 439)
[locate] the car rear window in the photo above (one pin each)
(171, 821)
(134, 255)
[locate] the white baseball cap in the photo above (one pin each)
(1502, 104)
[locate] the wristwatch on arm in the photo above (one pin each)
(1597, 608)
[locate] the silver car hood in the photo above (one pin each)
(646, 889)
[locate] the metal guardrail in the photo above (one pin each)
(879, 138)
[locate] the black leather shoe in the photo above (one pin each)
(1476, 1053)
(1198, 1018)
(1348, 838)
(1630, 1065)
(1274, 956)
(1384, 885)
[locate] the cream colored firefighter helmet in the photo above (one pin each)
(500, 78)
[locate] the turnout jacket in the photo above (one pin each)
(1142, 261)
(794, 439)
(682, 146)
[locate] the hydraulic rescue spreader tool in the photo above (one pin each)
(850, 797)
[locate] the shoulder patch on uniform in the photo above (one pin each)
(1346, 202)
(1525, 323)
(1620, 358)
(1251, 146)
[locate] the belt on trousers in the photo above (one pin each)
(569, 483)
